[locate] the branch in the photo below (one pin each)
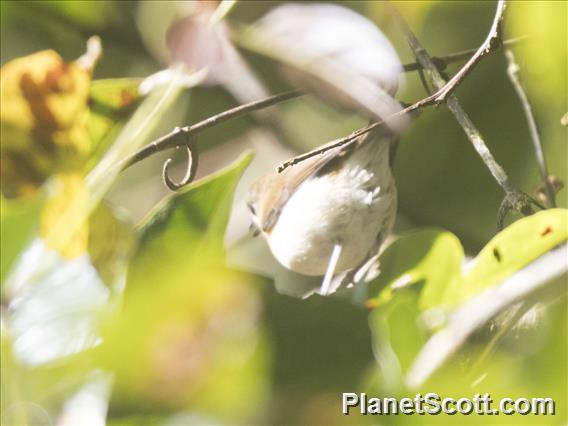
(514, 199)
(177, 137)
(530, 281)
(442, 62)
(429, 100)
(492, 42)
(513, 72)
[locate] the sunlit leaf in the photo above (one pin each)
(67, 193)
(191, 320)
(111, 242)
(200, 211)
(18, 221)
(431, 257)
(434, 258)
(53, 306)
(331, 70)
(510, 250)
(35, 394)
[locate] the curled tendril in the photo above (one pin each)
(192, 161)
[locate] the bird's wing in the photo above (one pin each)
(284, 184)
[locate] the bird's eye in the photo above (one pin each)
(252, 209)
(253, 229)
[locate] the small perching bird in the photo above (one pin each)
(328, 215)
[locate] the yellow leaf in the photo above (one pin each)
(111, 240)
(67, 201)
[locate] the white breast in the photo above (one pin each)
(348, 207)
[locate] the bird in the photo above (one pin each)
(330, 213)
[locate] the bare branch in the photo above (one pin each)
(492, 42)
(515, 200)
(430, 100)
(177, 137)
(442, 62)
(444, 89)
(513, 72)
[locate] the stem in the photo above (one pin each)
(445, 90)
(513, 72)
(442, 62)
(492, 41)
(178, 136)
(430, 100)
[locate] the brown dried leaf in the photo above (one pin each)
(43, 118)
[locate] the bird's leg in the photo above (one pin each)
(330, 271)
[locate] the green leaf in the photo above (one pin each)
(199, 213)
(510, 250)
(18, 221)
(432, 257)
(191, 319)
(397, 338)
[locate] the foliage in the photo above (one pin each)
(153, 323)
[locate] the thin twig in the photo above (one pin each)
(177, 137)
(191, 170)
(445, 89)
(442, 62)
(515, 200)
(492, 42)
(430, 100)
(513, 72)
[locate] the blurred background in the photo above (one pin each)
(209, 331)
